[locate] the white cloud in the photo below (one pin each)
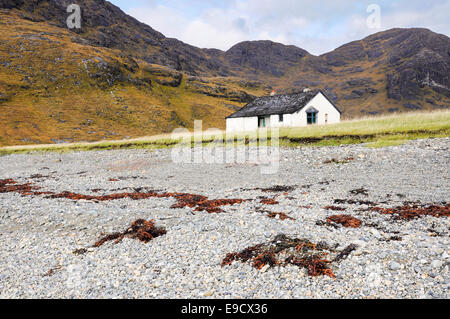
(160, 18)
(316, 26)
(432, 17)
(205, 35)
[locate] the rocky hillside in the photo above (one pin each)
(117, 77)
(396, 70)
(105, 25)
(54, 89)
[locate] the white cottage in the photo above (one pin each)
(288, 110)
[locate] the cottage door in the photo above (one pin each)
(262, 122)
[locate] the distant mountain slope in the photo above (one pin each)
(117, 77)
(104, 24)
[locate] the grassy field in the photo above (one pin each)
(382, 131)
(378, 131)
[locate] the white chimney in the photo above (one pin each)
(306, 90)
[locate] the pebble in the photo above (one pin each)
(437, 264)
(395, 266)
(265, 268)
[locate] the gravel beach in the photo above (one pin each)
(394, 258)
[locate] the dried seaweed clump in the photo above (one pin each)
(337, 161)
(269, 201)
(274, 215)
(345, 220)
(202, 203)
(141, 229)
(9, 181)
(335, 208)
(407, 212)
(11, 186)
(274, 189)
(281, 216)
(354, 202)
(52, 271)
(199, 202)
(278, 189)
(283, 251)
(360, 191)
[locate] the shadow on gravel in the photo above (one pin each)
(283, 251)
(141, 229)
(274, 189)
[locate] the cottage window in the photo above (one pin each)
(326, 118)
(281, 118)
(312, 118)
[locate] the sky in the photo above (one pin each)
(316, 26)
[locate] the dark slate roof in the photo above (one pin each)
(277, 104)
(312, 110)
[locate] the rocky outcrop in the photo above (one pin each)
(265, 56)
(222, 92)
(421, 59)
(412, 60)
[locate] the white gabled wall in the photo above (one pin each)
(287, 120)
(242, 124)
(321, 103)
(298, 119)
